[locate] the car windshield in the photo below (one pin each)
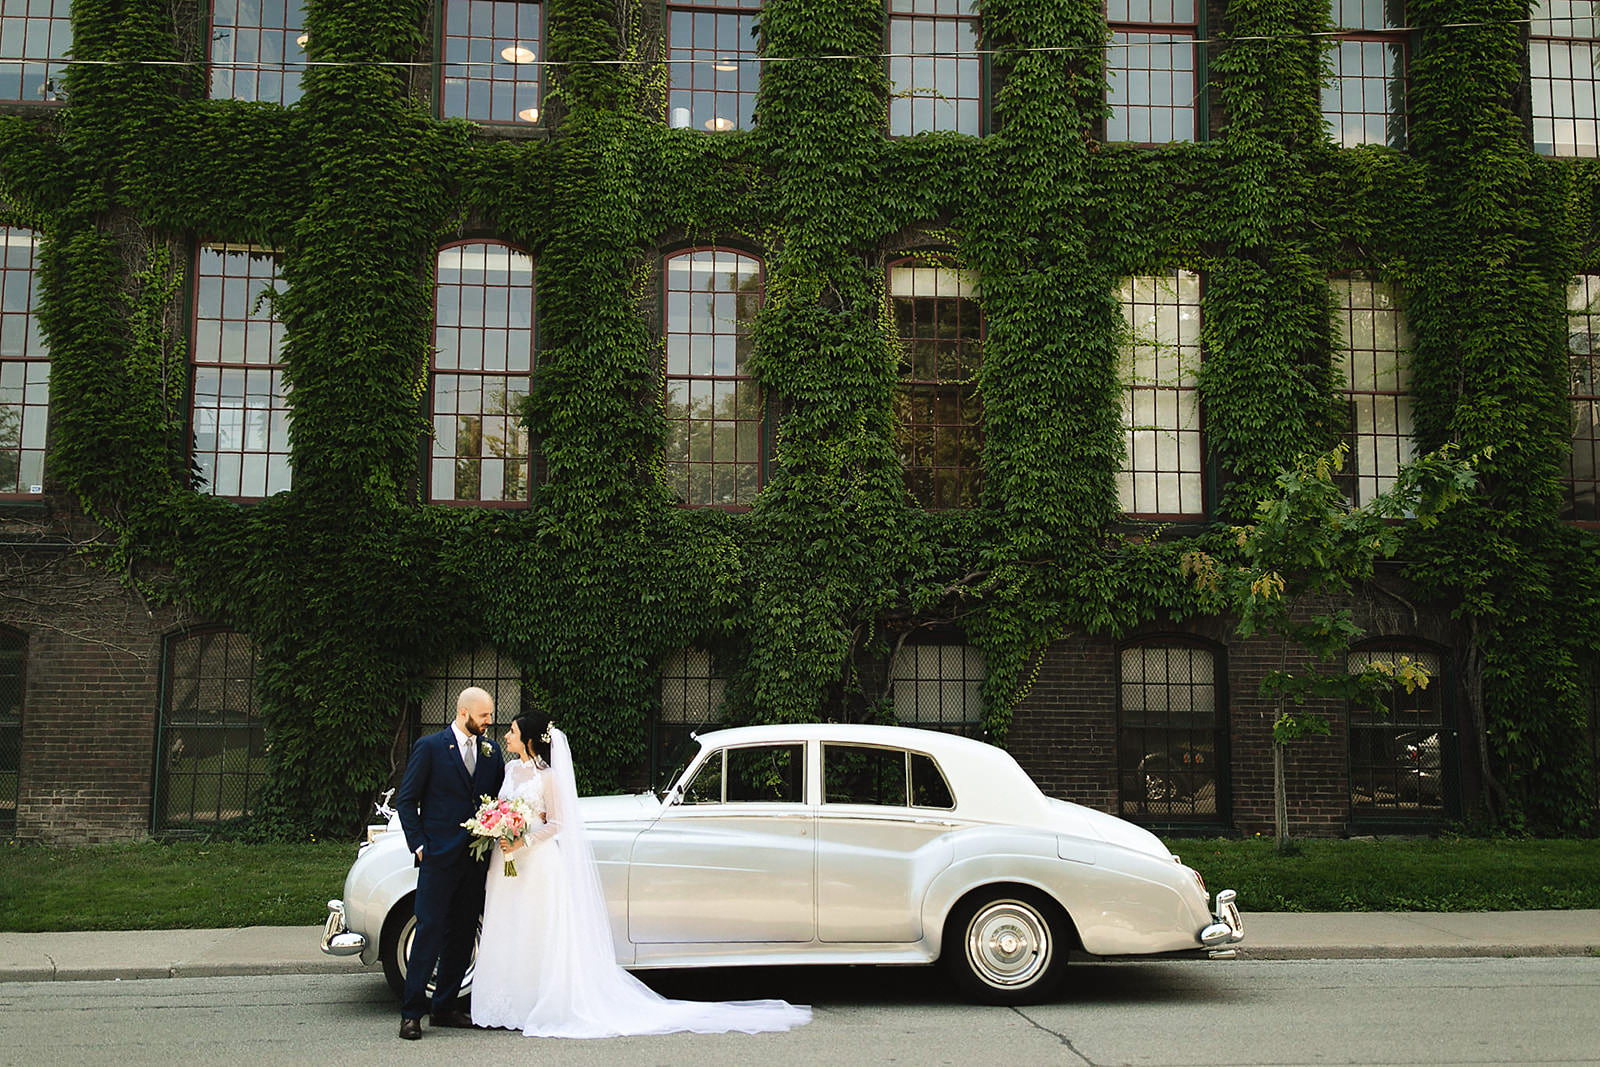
(684, 753)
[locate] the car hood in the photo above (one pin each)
(1077, 819)
(619, 808)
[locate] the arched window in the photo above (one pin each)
(938, 685)
(482, 370)
(210, 745)
(1171, 731)
(490, 70)
(34, 39)
(712, 64)
(1402, 747)
(24, 368)
(713, 406)
(240, 410)
(936, 77)
(13, 646)
(938, 410)
(258, 50)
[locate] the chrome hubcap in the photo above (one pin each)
(1008, 944)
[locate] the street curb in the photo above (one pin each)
(1413, 952)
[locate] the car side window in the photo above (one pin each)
(706, 788)
(928, 786)
(772, 774)
(857, 774)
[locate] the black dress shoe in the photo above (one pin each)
(411, 1029)
(454, 1017)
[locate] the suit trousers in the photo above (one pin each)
(449, 904)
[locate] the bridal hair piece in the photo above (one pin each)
(551, 725)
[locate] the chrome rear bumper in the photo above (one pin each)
(337, 939)
(1228, 928)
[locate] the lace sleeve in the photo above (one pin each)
(552, 813)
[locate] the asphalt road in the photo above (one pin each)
(1465, 1011)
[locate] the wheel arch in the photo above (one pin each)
(947, 897)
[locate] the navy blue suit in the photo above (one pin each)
(436, 796)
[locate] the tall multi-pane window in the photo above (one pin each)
(239, 413)
(35, 36)
(713, 405)
(1564, 60)
(1371, 362)
(1163, 471)
(1152, 71)
(482, 370)
(258, 50)
(1583, 361)
(939, 686)
(938, 412)
(935, 73)
(24, 368)
(1401, 745)
(712, 64)
(13, 646)
(491, 60)
(211, 746)
(1365, 101)
(1170, 731)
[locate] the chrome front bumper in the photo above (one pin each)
(337, 939)
(1228, 928)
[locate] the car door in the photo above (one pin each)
(882, 835)
(734, 859)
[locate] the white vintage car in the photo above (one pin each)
(825, 843)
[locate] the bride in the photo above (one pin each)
(546, 962)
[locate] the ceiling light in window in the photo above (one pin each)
(725, 63)
(302, 39)
(529, 114)
(517, 53)
(719, 124)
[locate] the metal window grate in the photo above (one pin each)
(691, 702)
(1163, 471)
(34, 39)
(938, 410)
(1583, 356)
(485, 668)
(491, 60)
(717, 90)
(240, 409)
(24, 368)
(1563, 59)
(939, 687)
(258, 50)
(12, 648)
(1170, 733)
(713, 405)
(482, 371)
(1399, 746)
(211, 746)
(1370, 359)
(935, 80)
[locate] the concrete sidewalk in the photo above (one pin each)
(1268, 935)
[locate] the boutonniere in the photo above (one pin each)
(486, 748)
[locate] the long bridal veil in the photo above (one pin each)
(582, 990)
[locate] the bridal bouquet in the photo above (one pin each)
(499, 819)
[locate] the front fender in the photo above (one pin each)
(383, 875)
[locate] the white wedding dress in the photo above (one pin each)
(546, 962)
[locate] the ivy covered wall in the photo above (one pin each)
(354, 591)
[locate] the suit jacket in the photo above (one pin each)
(436, 796)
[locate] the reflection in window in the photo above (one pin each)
(935, 75)
(1563, 55)
(1398, 743)
(939, 687)
(24, 368)
(772, 774)
(482, 367)
(1583, 359)
(240, 409)
(491, 60)
(258, 50)
(1169, 731)
(35, 36)
(211, 745)
(712, 64)
(938, 411)
(1161, 406)
(1370, 359)
(857, 774)
(1364, 103)
(713, 405)
(1151, 71)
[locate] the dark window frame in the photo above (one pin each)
(1584, 398)
(1392, 765)
(1158, 35)
(234, 66)
(34, 355)
(1132, 388)
(444, 67)
(13, 647)
(1151, 762)
(982, 61)
(684, 68)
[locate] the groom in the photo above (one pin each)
(446, 775)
